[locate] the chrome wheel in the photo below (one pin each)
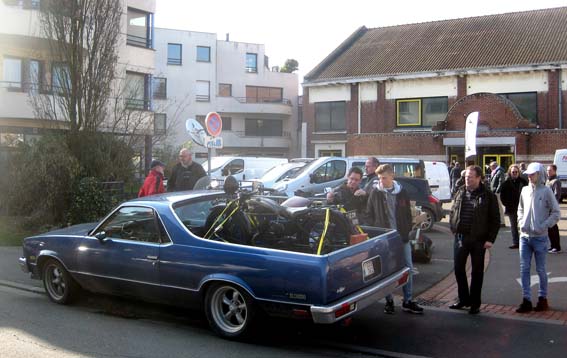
(427, 224)
(58, 284)
(229, 310)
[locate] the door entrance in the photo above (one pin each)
(503, 160)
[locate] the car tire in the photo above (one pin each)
(60, 287)
(427, 224)
(230, 310)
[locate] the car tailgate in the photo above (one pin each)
(362, 265)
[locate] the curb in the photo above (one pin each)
(22, 287)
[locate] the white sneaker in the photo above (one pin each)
(554, 251)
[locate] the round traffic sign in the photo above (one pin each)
(213, 122)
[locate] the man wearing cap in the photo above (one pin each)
(154, 181)
(538, 210)
(186, 173)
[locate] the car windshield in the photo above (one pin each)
(281, 171)
(216, 163)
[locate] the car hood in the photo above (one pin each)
(79, 229)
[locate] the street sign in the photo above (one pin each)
(213, 122)
(213, 142)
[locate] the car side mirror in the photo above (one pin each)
(101, 236)
(311, 178)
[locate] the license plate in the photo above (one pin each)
(351, 215)
(371, 268)
(368, 268)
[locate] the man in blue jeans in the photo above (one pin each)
(538, 210)
(389, 207)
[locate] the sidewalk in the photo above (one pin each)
(501, 289)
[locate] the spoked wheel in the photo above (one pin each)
(59, 285)
(229, 310)
(233, 228)
(336, 236)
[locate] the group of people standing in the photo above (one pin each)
(183, 176)
(532, 205)
(381, 201)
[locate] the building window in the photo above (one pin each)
(202, 91)
(255, 94)
(60, 78)
(226, 123)
(421, 112)
(159, 88)
(34, 74)
(12, 78)
(263, 127)
(251, 62)
(136, 91)
(225, 90)
(160, 123)
(174, 54)
(526, 104)
(140, 28)
(203, 54)
(330, 116)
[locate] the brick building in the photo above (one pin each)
(406, 90)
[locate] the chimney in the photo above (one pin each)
(227, 37)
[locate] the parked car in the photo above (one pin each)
(152, 248)
(282, 171)
(242, 168)
(419, 191)
(437, 174)
(560, 159)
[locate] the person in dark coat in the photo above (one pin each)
(185, 173)
(153, 184)
(510, 196)
(389, 207)
(349, 194)
(554, 184)
(475, 221)
(455, 175)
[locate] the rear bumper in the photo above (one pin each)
(359, 300)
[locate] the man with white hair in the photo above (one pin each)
(538, 210)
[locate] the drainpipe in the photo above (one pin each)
(560, 99)
(359, 119)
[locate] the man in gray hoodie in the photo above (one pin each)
(538, 210)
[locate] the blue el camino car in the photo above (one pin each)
(153, 249)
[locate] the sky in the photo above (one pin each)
(308, 30)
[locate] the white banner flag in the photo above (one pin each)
(470, 134)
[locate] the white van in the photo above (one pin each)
(437, 174)
(242, 168)
(282, 171)
(560, 160)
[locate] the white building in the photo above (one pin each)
(26, 64)
(200, 74)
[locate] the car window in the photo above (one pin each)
(193, 214)
(333, 170)
(133, 223)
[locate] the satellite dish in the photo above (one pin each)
(195, 131)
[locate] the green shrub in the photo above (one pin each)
(89, 202)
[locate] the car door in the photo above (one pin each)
(329, 174)
(124, 257)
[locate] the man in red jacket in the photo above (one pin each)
(154, 181)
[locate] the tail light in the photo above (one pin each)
(404, 279)
(433, 200)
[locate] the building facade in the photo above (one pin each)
(406, 90)
(257, 104)
(28, 68)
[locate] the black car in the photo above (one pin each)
(419, 191)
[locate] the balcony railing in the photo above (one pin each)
(138, 104)
(139, 41)
(202, 98)
(263, 100)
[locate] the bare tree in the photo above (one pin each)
(84, 36)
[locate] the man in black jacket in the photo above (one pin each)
(510, 196)
(389, 207)
(475, 221)
(185, 173)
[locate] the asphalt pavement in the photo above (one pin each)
(434, 283)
